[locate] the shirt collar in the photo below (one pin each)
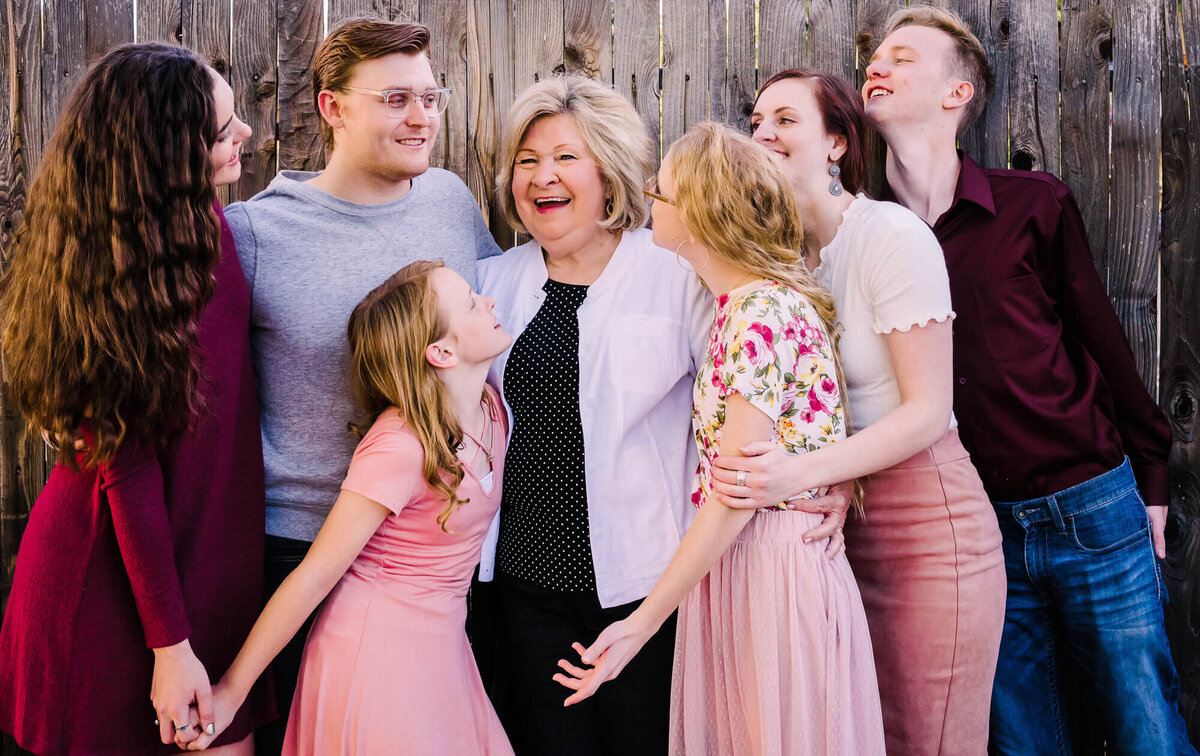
(973, 186)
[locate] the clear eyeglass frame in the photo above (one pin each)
(399, 101)
(650, 189)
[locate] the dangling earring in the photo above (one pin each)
(835, 186)
(679, 259)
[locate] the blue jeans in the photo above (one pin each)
(1084, 583)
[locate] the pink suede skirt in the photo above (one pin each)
(930, 571)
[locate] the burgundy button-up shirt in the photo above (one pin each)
(1046, 391)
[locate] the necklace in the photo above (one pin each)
(486, 430)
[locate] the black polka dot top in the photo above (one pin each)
(545, 538)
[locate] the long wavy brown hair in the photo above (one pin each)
(113, 262)
(388, 333)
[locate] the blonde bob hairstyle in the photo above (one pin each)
(612, 131)
(388, 332)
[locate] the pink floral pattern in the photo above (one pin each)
(767, 344)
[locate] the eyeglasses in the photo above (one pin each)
(652, 193)
(398, 101)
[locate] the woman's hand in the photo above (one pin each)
(834, 503)
(613, 649)
(180, 681)
(769, 478)
(226, 702)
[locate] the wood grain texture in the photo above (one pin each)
(830, 29)
(1085, 54)
(538, 41)
(447, 22)
(781, 35)
(489, 94)
(1180, 368)
(987, 140)
(1033, 85)
(588, 45)
(636, 59)
(299, 29)
(391, 10)
(206, 30)
(871, 18)
(160, 21)
(108, 23)
(63, 57)
(254, 79)
(686, 67)
(734, 98)
(1137, 106)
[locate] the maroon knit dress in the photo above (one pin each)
(143, 552)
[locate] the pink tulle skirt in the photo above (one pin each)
(773, 654)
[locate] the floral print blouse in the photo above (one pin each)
(767, 343)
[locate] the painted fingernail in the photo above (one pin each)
(210, 728)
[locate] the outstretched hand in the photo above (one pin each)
(604, 659)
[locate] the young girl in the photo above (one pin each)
(387, 667)
(772, 653)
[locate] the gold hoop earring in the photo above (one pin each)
(679, 259)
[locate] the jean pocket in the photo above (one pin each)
(1110, 527)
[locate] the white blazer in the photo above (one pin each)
(643, 330)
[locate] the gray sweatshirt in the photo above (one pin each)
(309, 258)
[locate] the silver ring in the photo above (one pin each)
(183, 728)
(741, 478)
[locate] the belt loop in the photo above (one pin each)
(1056, 515)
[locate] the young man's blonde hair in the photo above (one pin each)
(612, 131)
(970, 60)
(357, 40)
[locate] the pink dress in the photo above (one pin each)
(772, 651)
(387, 667)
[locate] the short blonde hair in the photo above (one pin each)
(970, 59)
(612, 131)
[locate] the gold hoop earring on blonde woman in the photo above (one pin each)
(679, 258)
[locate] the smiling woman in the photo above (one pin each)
(595, 494)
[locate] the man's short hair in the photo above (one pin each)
(612, 131)
(970, 60)
(355, 41)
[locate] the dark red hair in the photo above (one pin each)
(842, 113)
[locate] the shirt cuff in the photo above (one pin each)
(1152, 482)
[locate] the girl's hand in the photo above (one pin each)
(769, 478)
(226, 703)
(180, 681)
(613, 649)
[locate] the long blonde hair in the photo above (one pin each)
(388, 333)
(737, 202)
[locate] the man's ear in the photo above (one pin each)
(958, 97)
(441, 354)
(329, 108)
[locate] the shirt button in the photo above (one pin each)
(962, 381)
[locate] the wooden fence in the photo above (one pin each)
(1099, 92)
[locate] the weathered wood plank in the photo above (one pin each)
(781, 36)
(63, 58)
(392, 10)
(538, 41)
(636, 59)
(872, 16)
(1033, 85)
(1180, 370)
(1136, 142)
(206, 30)
(447, 22)
(830, 26)
(686, 68)
(108, 23)
(733, 96)
(588, 46)
(159, 21)
(987, 140)
(489, 94)
(253, 76)
(299, 29)
(1085, 54)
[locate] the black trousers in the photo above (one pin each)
(283, 555)
(628, 716)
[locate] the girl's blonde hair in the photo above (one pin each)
(388, 333)
(735, 200)
(612, 131)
